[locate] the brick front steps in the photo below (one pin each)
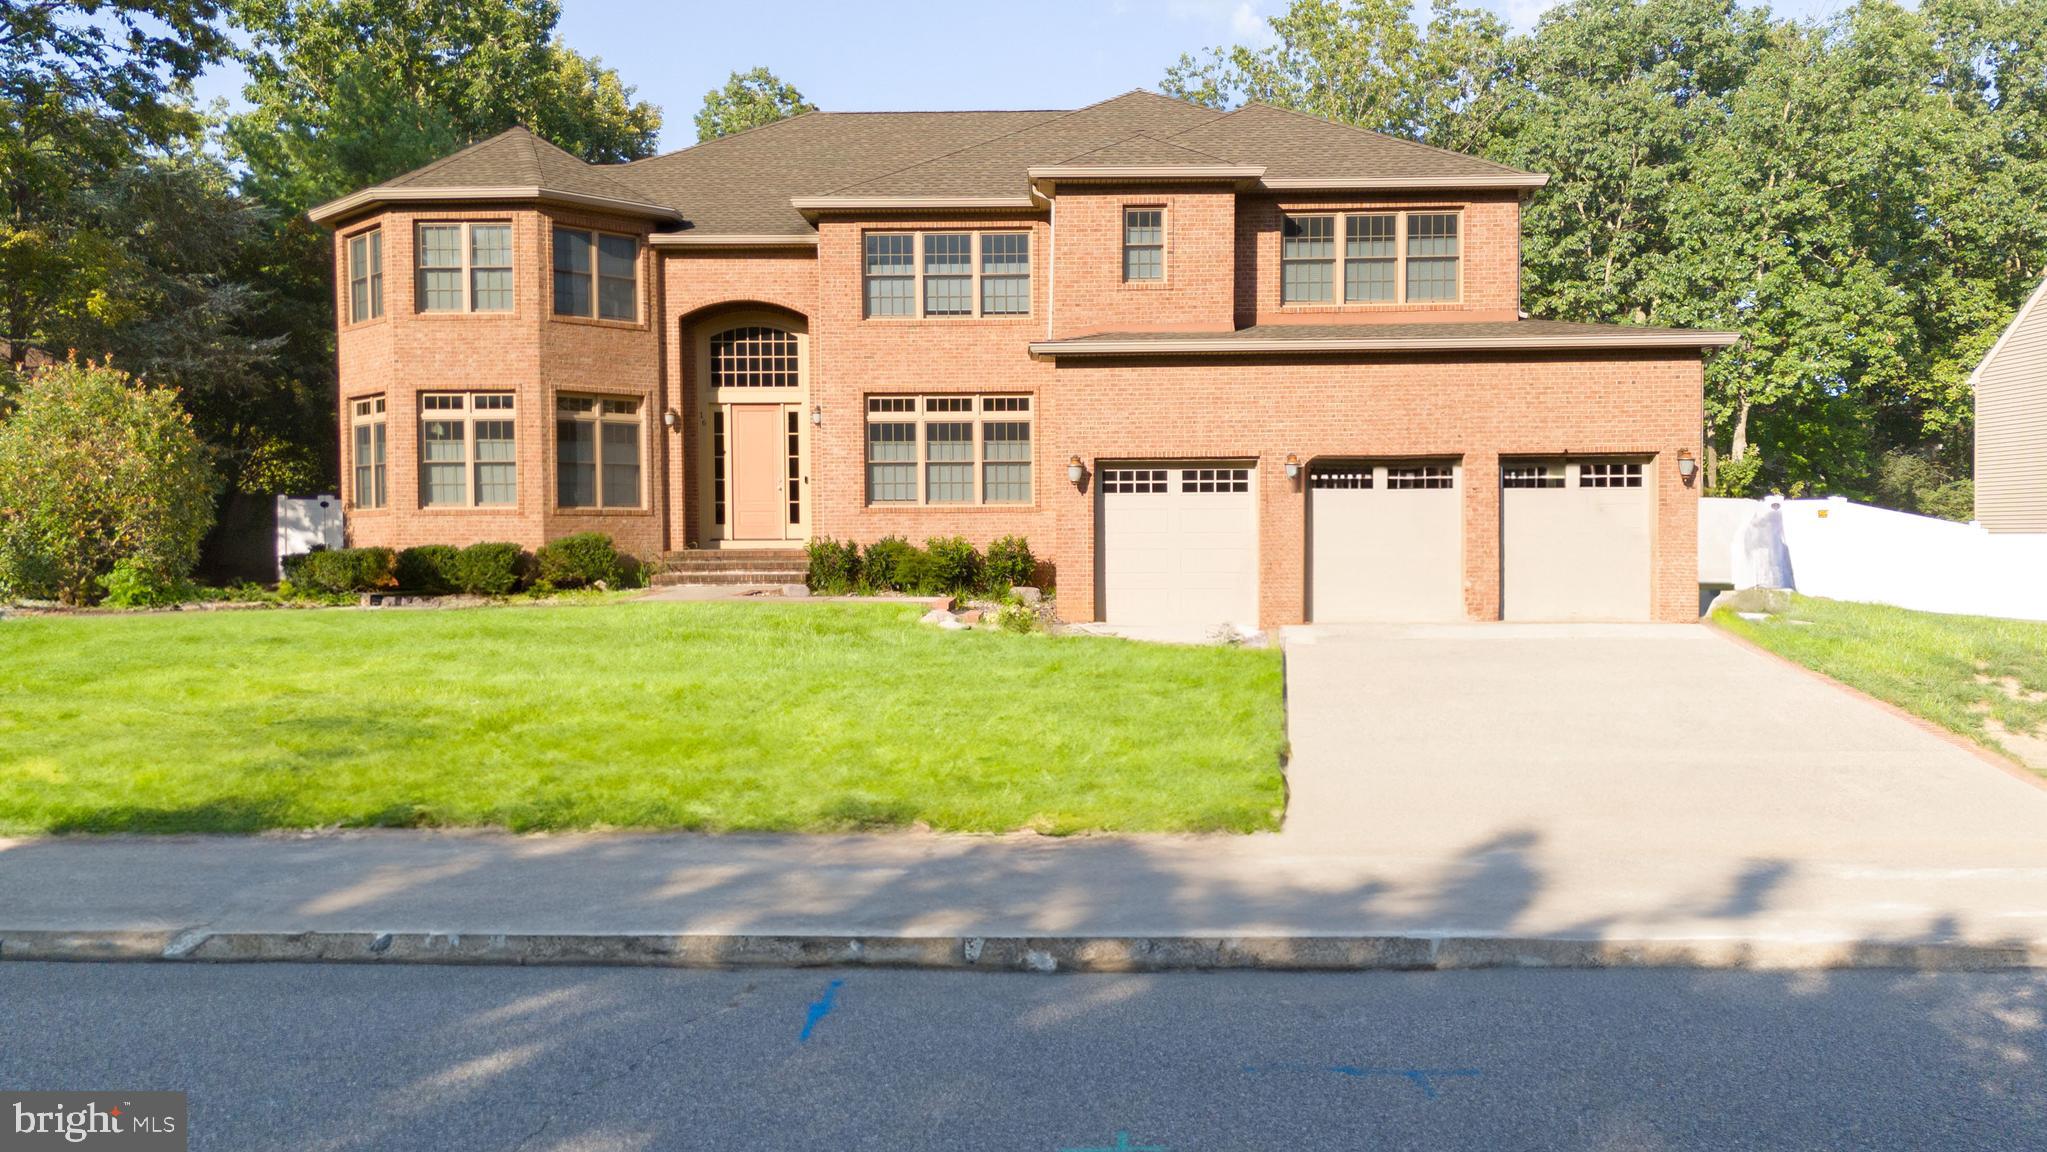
(733, 566)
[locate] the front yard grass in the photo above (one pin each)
(1981, 677)
(787, 717)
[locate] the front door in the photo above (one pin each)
(757, 457)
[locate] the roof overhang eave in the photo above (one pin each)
(1704, 341)
(1401, 183)
(731, 240)
(371, 197)
(814, 206)
(1045, 179)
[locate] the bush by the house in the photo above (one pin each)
(579, 561)
(433, 569)
(493, 568)
(955, 564)
(834, 566)
(136, 585)
(97, 468)
(342, 570)
(893, 564)
(1010, 563)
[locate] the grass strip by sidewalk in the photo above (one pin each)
(785, 717)
(1968, 674)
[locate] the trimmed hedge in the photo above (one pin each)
(1010, 563)
(341, 570)
(493, 568)
(947, 564)
(581, 560)
(434, 569)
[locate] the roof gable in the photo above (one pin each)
(1142, 148)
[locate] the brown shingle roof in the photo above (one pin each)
(1294, 146)
(514, 160)
(1141, 149)
(1446, 336)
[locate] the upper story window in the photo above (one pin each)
(947, 273)
(1144, 244)
(366, 420)
(596, 274)
(465, 267)
(366, 276)
(467, 450)
(1387, 258)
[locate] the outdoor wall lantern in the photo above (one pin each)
(670, 418)
(1293, 466)
(817, 415)
(1075, 471)
(1687, 465)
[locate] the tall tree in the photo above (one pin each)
(748, 100)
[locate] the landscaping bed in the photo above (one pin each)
(768, 716)
(1983, 678)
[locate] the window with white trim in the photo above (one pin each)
(468, 450)
(1215, 479)
(1134, 481)
(1343, 476)
(464, 267)
(596, 274)
(1531, 475)
(1387, 258)
(1144, 244)
(367, 431)
(597, 451)
(755, 356)
(366, 276)
(1420, 476)
(1609, 475)
(953, 449)
(946, 273)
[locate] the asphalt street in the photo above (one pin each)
(326, 1057)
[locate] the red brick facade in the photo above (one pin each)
(1222, 273)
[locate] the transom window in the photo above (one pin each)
(1215, 480)
(468, 450)
(1420, 476)
(949, 450)
(366, 418)
(1607, 475)
(1531, 476)
(596, 274)
(947, 273)
(1136, 480)
(1387, 258)
(1144, 244)
(597, 451)
(465, 267)
(366, 276)
(755, 356)
(1341, 478)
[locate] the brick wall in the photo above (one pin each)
(1198, 293)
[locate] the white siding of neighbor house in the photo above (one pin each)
(2011, 425)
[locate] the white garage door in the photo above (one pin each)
(1178, 544)
(1575, 540)
(1385, 542)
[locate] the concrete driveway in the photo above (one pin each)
(1664, 767)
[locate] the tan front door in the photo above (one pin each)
(757, 463)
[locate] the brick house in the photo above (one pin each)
(1249, 367)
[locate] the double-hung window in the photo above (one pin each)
(937, 450)
(464, 267)
(1387, 258)
(468, 450)
(366, 419)
(597, 452)
(596, 274)
(947, 273)
(1144, 244)
(366, 276)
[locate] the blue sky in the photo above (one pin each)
(923, 55)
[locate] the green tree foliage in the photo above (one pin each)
(1863, 198)
(748, 100)
(98, 469)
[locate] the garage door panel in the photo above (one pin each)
(1384, 553)
(1575, 541)
(1178, 545)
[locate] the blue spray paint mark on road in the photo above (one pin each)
(1422, 1078)
(819, 1010)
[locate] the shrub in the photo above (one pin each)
(892, 564)
(342, 570)
(579, 561)
(493, 568)
(1018, 617)
(135, 585)
(834, 566)
(96, 468)
(430, 568)
(1010, 563)
(955, 564)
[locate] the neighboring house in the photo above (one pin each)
(2011, 424)
(1249, 367)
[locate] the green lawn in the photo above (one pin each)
(705, 716)
(1960, 672)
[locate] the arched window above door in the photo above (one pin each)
(755, 356)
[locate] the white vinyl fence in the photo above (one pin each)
(1846, 551)
(305, 524)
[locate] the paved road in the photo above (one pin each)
(548, 1060)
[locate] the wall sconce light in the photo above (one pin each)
(1293, 466)
(1687, 464)
(1075, 471)
(670, 418)
(817, 415)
